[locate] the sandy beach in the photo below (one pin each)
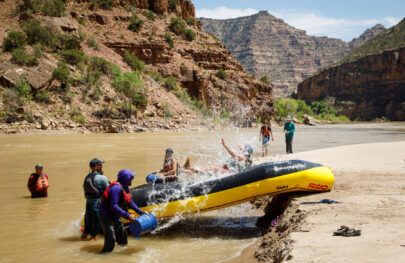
(370, 183)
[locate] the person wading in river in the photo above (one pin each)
(94, 186)
(265, 133)
(289, 129)
(38, 182)
(115, 201)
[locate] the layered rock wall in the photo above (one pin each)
(371, 87)
(267, 46)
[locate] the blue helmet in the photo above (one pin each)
(248, 148)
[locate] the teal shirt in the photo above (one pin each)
(101, 182)
(290, 127)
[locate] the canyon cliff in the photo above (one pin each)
(267, 46)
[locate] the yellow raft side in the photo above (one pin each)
(318, 179)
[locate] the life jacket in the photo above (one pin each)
(265, 131)
(125, 198)
(42, 183)
(168, 165)
(90, 190)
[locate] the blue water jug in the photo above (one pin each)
(153, 178)
(144, 224)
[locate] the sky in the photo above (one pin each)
(343, 19)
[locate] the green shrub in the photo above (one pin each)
(14, 40)
(77, 115)
(92, 78)
(100, 64)
(37, 34)
(189, 34)
(28, 7)
(38, 50)
(171, 83)
(169, 39)
(82, 35)
(264, 79)
(156, 76)
(221, 74)
(24, 89)
(43, 96)
(54, 8)
(135, 23)
(166, 112)
(149, 15)
(66, 42)
(10, 100)
(67, 95)
(303, 108)
(224, 114)
(105, 4)
(320, 107)
(115, 70)
(190, 21)
(285, 107)
(22, 58)
(172, 4)
(73, 56)
(62, 74)
(131, 89)
(133, 61)
(177, 25)
(92, 42)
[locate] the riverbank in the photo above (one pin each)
(370, 184)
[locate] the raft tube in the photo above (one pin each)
(167, 200)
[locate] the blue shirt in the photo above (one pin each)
(290, 127)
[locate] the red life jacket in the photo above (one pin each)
(265, 131)
(105, 198)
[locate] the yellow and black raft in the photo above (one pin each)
(167, 200)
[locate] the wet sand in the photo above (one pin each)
(370, 183)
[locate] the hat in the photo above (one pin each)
(169, 150)
(95, 162)
(288, 118)
(39, 166)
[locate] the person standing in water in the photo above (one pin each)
(265, 133)
(115, 200)
(289, 129)
(38, 182)
(94, 186)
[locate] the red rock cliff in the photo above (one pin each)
(371, 87)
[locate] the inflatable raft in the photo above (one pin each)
(166, 200)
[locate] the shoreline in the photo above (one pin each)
(370, 184)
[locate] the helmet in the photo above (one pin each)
(248, 148)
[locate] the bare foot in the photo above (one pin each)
(92, 238)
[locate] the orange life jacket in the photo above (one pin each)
(42, 183)
(105, 198)
(265, 131)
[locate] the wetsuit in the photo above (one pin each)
(99, 183)
(115, 201)
(38, 185)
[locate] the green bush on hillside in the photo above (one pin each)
(43, 96)
(37, 33)
(221, 74)
(169, 39)
(104, 4)
(22, 58)
(177, 25)
(66, 42)
(54, 8)
(74, 56)
(264, 79)
(24, 89)
(149, 15)
(171, 83)
(189, 34)
(100, 64)
(62, 74)
(14, 40)
(135, 23)
(320, 107)
(156, 76)
(92, 42)
(190, 21)
(133, 61)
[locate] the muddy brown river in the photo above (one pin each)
(48, 229)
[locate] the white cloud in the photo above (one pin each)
(312, 22)
(342, 28)
(223, 12)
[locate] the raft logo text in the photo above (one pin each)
(318, 186)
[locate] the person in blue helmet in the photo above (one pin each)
(237, 162)
(115, 201)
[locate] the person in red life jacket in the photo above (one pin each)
(265, 133)
(38, 182)
(170, 168)
(115, 201)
